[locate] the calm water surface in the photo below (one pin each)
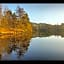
(39, 48)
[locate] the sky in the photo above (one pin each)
(41, 13)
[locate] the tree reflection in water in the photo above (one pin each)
(16, 44)
(20, 44)
(44, 34)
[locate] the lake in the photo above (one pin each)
(39, 48)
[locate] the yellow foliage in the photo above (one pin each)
(10, 24)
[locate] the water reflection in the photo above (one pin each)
(18, 45)
(44, 34)
(13, 43)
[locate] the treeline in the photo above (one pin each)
(18, 19)
(48, 29)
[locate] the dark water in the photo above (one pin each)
(35, 48)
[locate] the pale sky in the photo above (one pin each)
(41, 13)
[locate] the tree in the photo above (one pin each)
(20, 11)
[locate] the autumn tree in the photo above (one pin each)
(18, 22)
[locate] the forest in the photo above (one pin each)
(14, 29)
(15, 23)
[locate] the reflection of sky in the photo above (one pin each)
(46, 49)
(42, 13)
(12, 56)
